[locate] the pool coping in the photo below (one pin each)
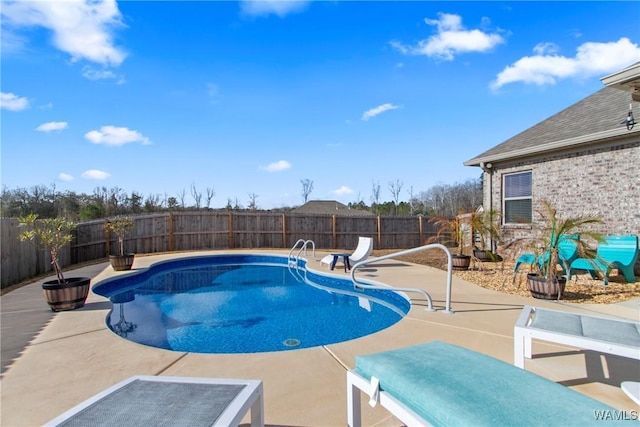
(302, 387)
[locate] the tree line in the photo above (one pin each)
(445, 200)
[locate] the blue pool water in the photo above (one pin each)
(243, 304)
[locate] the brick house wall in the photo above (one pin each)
(603, 180)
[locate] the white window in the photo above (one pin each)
(517, 200)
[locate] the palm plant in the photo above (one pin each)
(487, 225)
(553, 230)
(450, 228)
(550, 237)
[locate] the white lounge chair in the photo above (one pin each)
(442, 384)
(169, 401)
(606, 335)
(362, 251)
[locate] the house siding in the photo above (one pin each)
(579, 183)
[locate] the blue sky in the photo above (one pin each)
(253, 97)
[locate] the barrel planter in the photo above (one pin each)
(542, 289)
(486, 256)
(69, 295)
(460, 261)
(121, 262)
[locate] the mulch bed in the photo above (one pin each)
(499, 277)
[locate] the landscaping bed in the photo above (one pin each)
(499, 277)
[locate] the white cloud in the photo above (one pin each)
(95, 174)
(83, 29)
(592, 59)
(65, 177)
(344, 190)
(116, 136)
(93, 74)
(276, 7)
(451, 39)
(546, 48)
(279, 166)
(51, 126)
(12, 102)
(378, 110)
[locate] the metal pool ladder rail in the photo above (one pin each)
(303, 248)
(447, 308)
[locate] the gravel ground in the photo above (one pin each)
(499, 277)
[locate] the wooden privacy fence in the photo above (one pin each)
(186, 231)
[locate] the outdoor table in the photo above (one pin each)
(345, 261)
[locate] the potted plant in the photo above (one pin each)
(120, 227)
(547, 281)
(456, 229)
(52, 234)
(485, 224)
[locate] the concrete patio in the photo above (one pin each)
(70, 356)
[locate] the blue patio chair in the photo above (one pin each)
(619, 252)
(567, 252)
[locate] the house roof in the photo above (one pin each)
(329, 207)
(627, 79)
(596, 118)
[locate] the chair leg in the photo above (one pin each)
(521, 348)
(354, 415)
(628, 273)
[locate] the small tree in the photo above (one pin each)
(120, 227)
(51, 234)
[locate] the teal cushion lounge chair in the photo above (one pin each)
(442, 384)
(619, 252)
(567, 252)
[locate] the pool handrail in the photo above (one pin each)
(304, 247)
(371, 260)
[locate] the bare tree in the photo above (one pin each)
(210, 194)
(153, 203)
(181, 195)
(237, 205)
(252, 201)
(307, 188)
(375, 195)
(117, 201)
(395, 188)
(197, 196)
(412, 201)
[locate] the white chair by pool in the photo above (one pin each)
(170, 401)
(362, 251)
(605, 335)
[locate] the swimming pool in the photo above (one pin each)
(243, 303)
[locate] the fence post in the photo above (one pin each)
(107, 240)
(230, 227)
(333, 226)
(420, 229)
(284, 231)
(379, 232)
(172, 242)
